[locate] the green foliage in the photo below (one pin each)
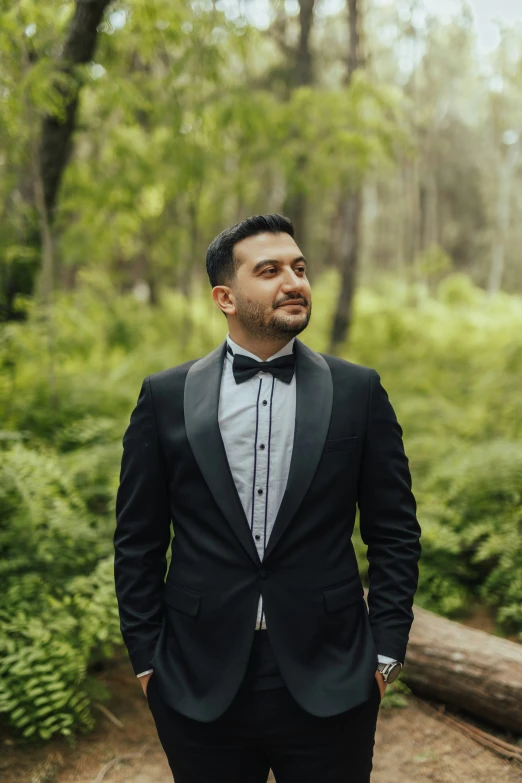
(450, 361)
(59, 466)
(179, 132)
(50, 631)
(186, 124)
(451, 364)
(57, 606)
(475, 498)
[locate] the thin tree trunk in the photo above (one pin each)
(354, 30)
(45, 279)
(56, 142)
(304, 64)
(332, 249)
(353, 198)
(415, 214)
(431, 222)
(350, 248)
(49, 154)
(295, 204)
(496, 272)
(186, 286)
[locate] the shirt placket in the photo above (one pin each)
(260, 488)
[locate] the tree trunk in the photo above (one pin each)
(45, 280)
(496, 272)
(353, 198)
(49, 151)
(355, 59)
(349, 255)
(56, 136)
(303, 66)
(295, 203)
(466, 668)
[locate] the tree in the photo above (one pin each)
(295, 204)
(49, 145)
(351, 202)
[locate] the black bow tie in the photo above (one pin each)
(244, 367)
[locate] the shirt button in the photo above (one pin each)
(265, 402)
(257, 538)
(262, 446)
(259, 491)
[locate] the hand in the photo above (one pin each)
(380, 682)
(144, 681)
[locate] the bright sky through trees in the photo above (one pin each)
(487, 13)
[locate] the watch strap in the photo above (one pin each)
(386, 668)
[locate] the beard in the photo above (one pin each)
(256, 321)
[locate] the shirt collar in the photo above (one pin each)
(286, 349)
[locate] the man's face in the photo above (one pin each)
(271, 272)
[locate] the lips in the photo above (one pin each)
(292, 304)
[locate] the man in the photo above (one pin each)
(258, 651)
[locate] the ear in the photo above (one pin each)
(224, 299)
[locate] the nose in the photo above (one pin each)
(293, 284)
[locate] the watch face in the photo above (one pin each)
(394, 672)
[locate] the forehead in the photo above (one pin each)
(270, 246)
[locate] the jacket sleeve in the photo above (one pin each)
(388, 525)
(142, 534)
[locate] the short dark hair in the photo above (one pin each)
(221, 261)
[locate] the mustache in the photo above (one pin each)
(294, 299)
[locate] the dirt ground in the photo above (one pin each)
(412, 746)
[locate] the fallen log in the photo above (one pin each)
(466, 668)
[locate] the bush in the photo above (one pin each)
(451, 363)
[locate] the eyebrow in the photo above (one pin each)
(264, 261)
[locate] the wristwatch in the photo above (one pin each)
(390, 671)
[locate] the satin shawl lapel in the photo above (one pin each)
(314, 395)
(201, 400)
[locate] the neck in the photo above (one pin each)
(260, 347)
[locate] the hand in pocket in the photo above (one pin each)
(145, 681)
(380, 682)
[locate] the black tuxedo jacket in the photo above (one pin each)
(196, 628)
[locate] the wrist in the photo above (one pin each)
(389, 671)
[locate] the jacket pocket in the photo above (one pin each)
(343, 595)
(184, 599)
(341, 444)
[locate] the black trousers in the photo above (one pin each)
(264, 728)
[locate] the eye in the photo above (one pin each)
(273, 269)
